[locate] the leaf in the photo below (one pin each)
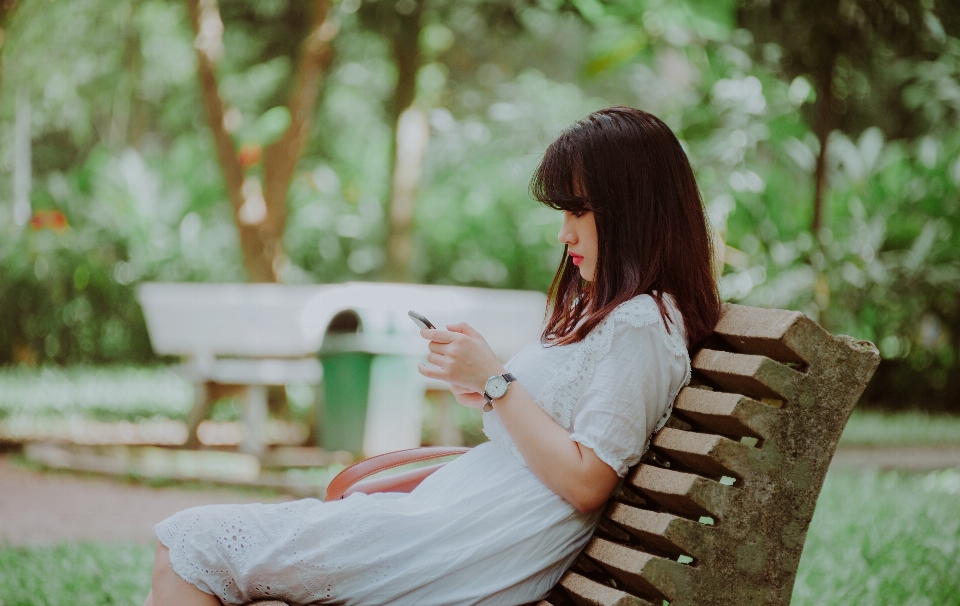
(271, 125)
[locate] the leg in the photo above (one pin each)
(170, 590)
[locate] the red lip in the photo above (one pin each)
(576, 259)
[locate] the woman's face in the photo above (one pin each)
(579, 233)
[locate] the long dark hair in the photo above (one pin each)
(627, 167)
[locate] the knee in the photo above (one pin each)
(161, 562)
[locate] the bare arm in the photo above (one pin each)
(463, 359)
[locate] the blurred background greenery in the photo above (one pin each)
(303, 142)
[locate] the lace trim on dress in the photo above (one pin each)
(174, 533)
(560, 395)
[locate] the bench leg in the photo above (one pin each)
(199, 412)
(254, 420)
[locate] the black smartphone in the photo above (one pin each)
(420, 321)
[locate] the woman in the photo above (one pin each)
(500, 524)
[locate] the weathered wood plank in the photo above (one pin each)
(584, 592)
(638, 571)
(727, 413)
(760, 331)
(785, 336)
(682, 493)
(661, 531)
(706, 454)
(754, 376)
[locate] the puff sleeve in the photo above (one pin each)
(631, 391)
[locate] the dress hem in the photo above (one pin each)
(178, 565)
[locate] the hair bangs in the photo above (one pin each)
(555, 182)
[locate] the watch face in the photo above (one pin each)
(496, 387)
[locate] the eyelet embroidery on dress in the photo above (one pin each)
(240, 538)
(239, 544)
(173, 533)
(559, 396)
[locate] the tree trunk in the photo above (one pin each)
(824, 123)
(21, 144)
(7, 8)
(410, 134)
(823, 126)
(125, 96)
(260, 209)
(280, 158)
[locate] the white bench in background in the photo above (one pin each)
(268, 334)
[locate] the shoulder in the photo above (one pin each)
(642, 313)
(641, 305)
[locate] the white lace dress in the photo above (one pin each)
(481, 530)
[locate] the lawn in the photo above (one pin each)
(86, 574)
(877, 538)
(888, 538)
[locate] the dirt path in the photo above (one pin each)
(906, 458)
(38, 507)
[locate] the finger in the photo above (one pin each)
(464, 328)
(438, 348)
(437, 360)
(431, 372)
(438, 336)
(471, 400)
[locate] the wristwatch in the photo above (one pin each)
(496, 388)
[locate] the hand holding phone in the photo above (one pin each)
(420, 320)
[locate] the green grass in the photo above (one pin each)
(901, 429)
(883, 539)
(877, 539)
(85, 574)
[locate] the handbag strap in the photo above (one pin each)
(340, 486)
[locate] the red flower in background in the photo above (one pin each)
(249, 154)
(54, 219)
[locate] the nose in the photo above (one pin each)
(567, 234)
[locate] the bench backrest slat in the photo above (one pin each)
(718, 510)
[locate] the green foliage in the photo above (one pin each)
(858, 54)
(126, 222)
(888, 270)
(85, 574)
(102, 393)
(884, 539)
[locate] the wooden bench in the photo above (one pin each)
(718, 509)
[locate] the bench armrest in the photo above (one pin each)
(350, 479)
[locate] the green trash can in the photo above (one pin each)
(371, 397)
(342, 405)
(346, 387)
